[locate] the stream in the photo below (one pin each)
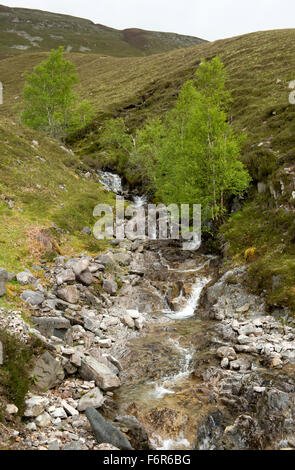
(166, 385)
(186, 393)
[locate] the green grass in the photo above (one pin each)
(15, 372)
(55, 30)
(270, 232)
(36, 187)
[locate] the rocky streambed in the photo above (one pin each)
(174, 352)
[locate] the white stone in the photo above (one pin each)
(43, 420)
(12, 409)
(35, 406)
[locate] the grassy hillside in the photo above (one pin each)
(260, 67)
(24, 30)
(45, 199)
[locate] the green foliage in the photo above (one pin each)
(49, 102)
(15, 372)
(192, 155)
(117, 143)
(271, 233)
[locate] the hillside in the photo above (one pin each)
(260, 67)
(27, 31)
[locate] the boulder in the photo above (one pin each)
(110, 286)
(93, 398)
(35, 406)
(26, 277)
(85, 277)
(226, 351)
(128, 321)
(1, 354)
(92, 369)
(54, 326)
(11, 409)
(104, 259)
(105, 432)
(48, 372)
(69, 293)
(32, 298)
(65, 276)
(80, 266)
(43, 420)
(137, 434)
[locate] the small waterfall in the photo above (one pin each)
(111, 181)
(139, 201)
(189, 310)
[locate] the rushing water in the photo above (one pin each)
(111, 181)
(173, 371)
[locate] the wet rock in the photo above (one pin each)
(105, 432)
(48, 372)
(137, 434)
(245, 433)
(32, 297)
(105, 379)
(94, 399)
(69, 294)
(240, 364)
(226, 351)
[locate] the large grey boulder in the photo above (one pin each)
(54, 326)
(105, 432)
(94, 398)
(69, 294)
(33, 298)
(48, 372)
(92, 369)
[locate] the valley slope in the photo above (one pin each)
(259, 67)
